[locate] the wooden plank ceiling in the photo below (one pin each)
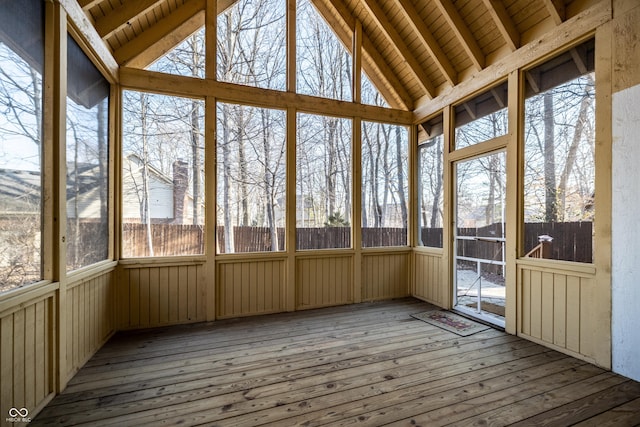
(413, 50)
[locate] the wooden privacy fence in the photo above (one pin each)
(250, 239)
(167, 240)
(258, 239)
(572, 241)
(175, 239)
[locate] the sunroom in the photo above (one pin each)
(275, 169)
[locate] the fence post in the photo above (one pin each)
(545, 240)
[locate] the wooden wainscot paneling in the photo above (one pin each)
(90, 318)
(27, 334)
(428, 283)
(385, 276)
(248, 288)
(158, 294)
(324, 281)
(554, 306)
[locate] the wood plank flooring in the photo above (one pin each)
(366, 364)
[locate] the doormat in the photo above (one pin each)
(451, 322)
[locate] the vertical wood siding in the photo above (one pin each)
(26, 364)
(151, 296)
(385, 276)
(554, 309)
(428, 284)
(90, 318)
(324, 281)
(250, 287)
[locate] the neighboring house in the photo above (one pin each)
(83, 199)
(169, 200)
(19, 192)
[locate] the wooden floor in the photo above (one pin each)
(366, 364)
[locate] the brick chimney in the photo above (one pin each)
(180, 184)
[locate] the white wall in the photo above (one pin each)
(160, 193)
(626, 233)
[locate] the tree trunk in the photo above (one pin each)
(435, 208)
(244, 191)
(103, 158)
(489, 211)
(401, 195)
(73, 236)
(571, 155)
(377, 220)
(551, 213)
(145, 214)
(195, 135)
(269, 182)
(330, 168)
(196, 160)
(226, 184)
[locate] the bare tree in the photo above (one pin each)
(20, 148)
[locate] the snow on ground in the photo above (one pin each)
(468, 284)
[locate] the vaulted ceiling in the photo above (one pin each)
(413, 50)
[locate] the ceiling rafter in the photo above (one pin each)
(401, 47)
(499, 99)
(464, 36)
(534, 80)
(372, 60)
(471, 110)
(162, 36)
(120, 16)
(428, 41)
(88, 4)
(504, 23)
(556, 10)
(578, 59)
(165, 34)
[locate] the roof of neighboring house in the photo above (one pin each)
(20, 191)
(88, 179)
(132, 157)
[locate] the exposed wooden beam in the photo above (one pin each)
(88, 4)
(578, 58)
(120, 16)
(167, 33)
(501, 102)
(372, 61)
(556, 10)
(223, 5)
(504, 23)
(533, 79)
(428, 41)
(163, 35)
(460, 29)
(211, 36)
(471, 110)
(170, 84)
(292, 64)
(91, 39)
(400, 46)
(356, 77)
(577, 26)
